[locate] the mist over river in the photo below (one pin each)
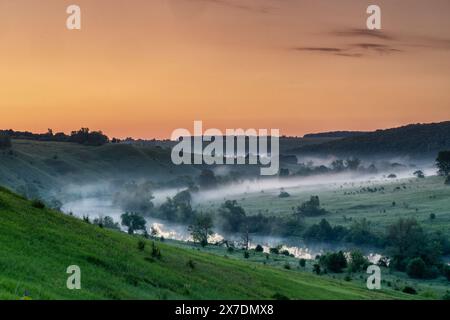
(94, 207)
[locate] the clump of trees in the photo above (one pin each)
(133, 221)
(82, 136)
(419, 174)
(443, 163)
(333, 262)
(90, 138)
(311, 208)
(414, 251)
(107, 223)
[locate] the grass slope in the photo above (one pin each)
(35, 167)
(37, 245)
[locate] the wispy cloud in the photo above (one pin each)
(239, 5)
(355, 50)
(354, 32)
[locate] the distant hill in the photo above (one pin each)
(37, 246)
(35, 167)
(417, 140)
(335, 134)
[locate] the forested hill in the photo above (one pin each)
(418, 140)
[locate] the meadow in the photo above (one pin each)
(37, 245)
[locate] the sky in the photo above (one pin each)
(142, 68)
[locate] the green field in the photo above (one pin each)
(37, 245)
(413, 197)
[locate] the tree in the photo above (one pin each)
(419, 174)
(201, 229)
(443, 163)
(106, 222)
(310, 208)
(84, 136)
(133, 222)
(232, 215)
(333, 262)
(353, 163)
(245, 237)
(407, 240)
(358, 262)
(416, 268)
(259, 248)
(338, 165)
(302, 262)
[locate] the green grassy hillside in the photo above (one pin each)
(35, 167)
(37, 245)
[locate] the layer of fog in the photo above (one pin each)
(101, 207)
(331, 181)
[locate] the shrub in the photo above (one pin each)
(230, 249)
(38, 204)
(156, 252)
(246, 255)
(284, 194)
(316, 268)
(279, 296)
(287, 266)
(302, 263)
(432, 216)
(274, 250)
(259, 248)
(191, 264)
(409, 290)
(141, 245)
(311, 208)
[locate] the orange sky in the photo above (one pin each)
(144, 68)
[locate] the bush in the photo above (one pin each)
(274, 250)
(284, 194)
(38, 204)
(409, 290)
(302, 263)
(156, 252)
(191, 264)
(416, 268)
(432, 216)
(279, 296)
(259, 248)
(316, 268)
(311, 208)
(246, 255)
(141, 245)
(287, 266)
